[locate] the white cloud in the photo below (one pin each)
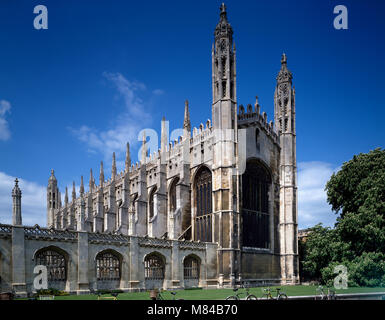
(125, 127)
(158, 92)
(5, 107)
(33, 201)
(312, 204)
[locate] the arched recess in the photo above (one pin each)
(154, 270)
(172, 196)
(108, 266)
(203, 204)
(191, 270)
(151, 203)
(56, 261)
(256, 215)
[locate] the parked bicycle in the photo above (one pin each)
(157, 295)
(267, 294)
(99, 294)
(237, 295)
(322, 295)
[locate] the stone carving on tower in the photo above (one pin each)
(224, 113)
(284, 113)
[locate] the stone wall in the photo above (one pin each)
(81, 248)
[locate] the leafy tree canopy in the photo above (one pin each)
(357, 194)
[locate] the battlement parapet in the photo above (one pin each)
(249, 117)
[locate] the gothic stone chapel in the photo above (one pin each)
(214, 208)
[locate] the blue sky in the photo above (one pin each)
(73, 94)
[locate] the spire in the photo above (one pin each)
(144, 148)
(16, 207)
(52, 178)
(81, 186)
(163, 136)
(224, 80)
(186, 122)
(223, 28)
(73, 191)
(284, 74)
(223, 60)
(128, 158)
(92, 181)
(101, 174)
(113, 171)
(284, 100)
(284, 58)
(66, 197)
(223, 14)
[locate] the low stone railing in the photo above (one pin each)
(154, 243)
(108, 237)
(36, 232)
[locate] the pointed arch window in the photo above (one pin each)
(191, 268)
(107, 266)
(55, 263)
(151, 203)
(153, 267)
(172, 197)
(203, 204)
(255, 206)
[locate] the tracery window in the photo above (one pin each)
(55, 263)
(151, 203)
(255, 206)
(153, 267)
(203, 202)
(191, 268)
(107, 266)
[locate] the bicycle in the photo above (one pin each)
(157, 295)
(237, 295)
(267, 294)
(100, 293)
(320, 292)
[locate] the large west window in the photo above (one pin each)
(256, 182)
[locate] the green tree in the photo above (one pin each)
(357, 194)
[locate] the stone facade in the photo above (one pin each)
(225, 195)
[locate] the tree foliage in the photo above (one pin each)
(357, 194)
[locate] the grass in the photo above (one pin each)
(220, 294)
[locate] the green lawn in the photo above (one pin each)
(217, 294)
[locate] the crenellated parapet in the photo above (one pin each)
(253, 117)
